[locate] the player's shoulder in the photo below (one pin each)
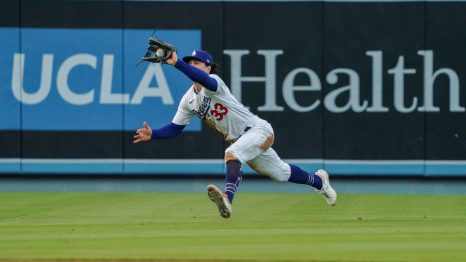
(220, 82)
(218, 78)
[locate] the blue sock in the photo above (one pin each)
(232, 178)
(300, 176)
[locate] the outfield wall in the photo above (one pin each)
(356, 87)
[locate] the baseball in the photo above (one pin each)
(160, 53)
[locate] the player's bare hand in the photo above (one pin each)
(143, 134)
(172, 60)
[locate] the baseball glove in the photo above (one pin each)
(158, 51)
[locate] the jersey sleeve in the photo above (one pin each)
(220, 85)
(183, 116)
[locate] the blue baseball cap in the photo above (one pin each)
(200, 55)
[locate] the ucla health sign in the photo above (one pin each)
(88, 79)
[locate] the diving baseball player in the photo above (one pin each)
(251, 137)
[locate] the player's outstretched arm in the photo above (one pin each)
(143, 134)
(168, 131)
(195, 74)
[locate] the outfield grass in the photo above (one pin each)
(263, 227)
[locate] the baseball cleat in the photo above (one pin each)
(220, 199)
(327, 191)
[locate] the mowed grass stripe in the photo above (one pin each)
(264, 226)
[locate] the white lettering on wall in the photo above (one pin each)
(106, 95)
(269, 79)
(289, 88)
(377, 76)
(71, 94)
(338, 97)
(145, 90)
(62, 79)
(18, 80)
(399, 72)
(429, 79)
(352, 88)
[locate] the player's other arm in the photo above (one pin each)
(146, 133)
(195, 74)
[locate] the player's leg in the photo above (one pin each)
(223, 200)
(270, 164)
(251, 144)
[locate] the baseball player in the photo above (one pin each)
(250, 137)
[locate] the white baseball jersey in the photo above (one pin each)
(219, 109)
(224, 113)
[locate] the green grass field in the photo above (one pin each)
(269, 226)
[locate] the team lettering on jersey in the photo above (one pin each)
(204, 107)
(218, 111)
